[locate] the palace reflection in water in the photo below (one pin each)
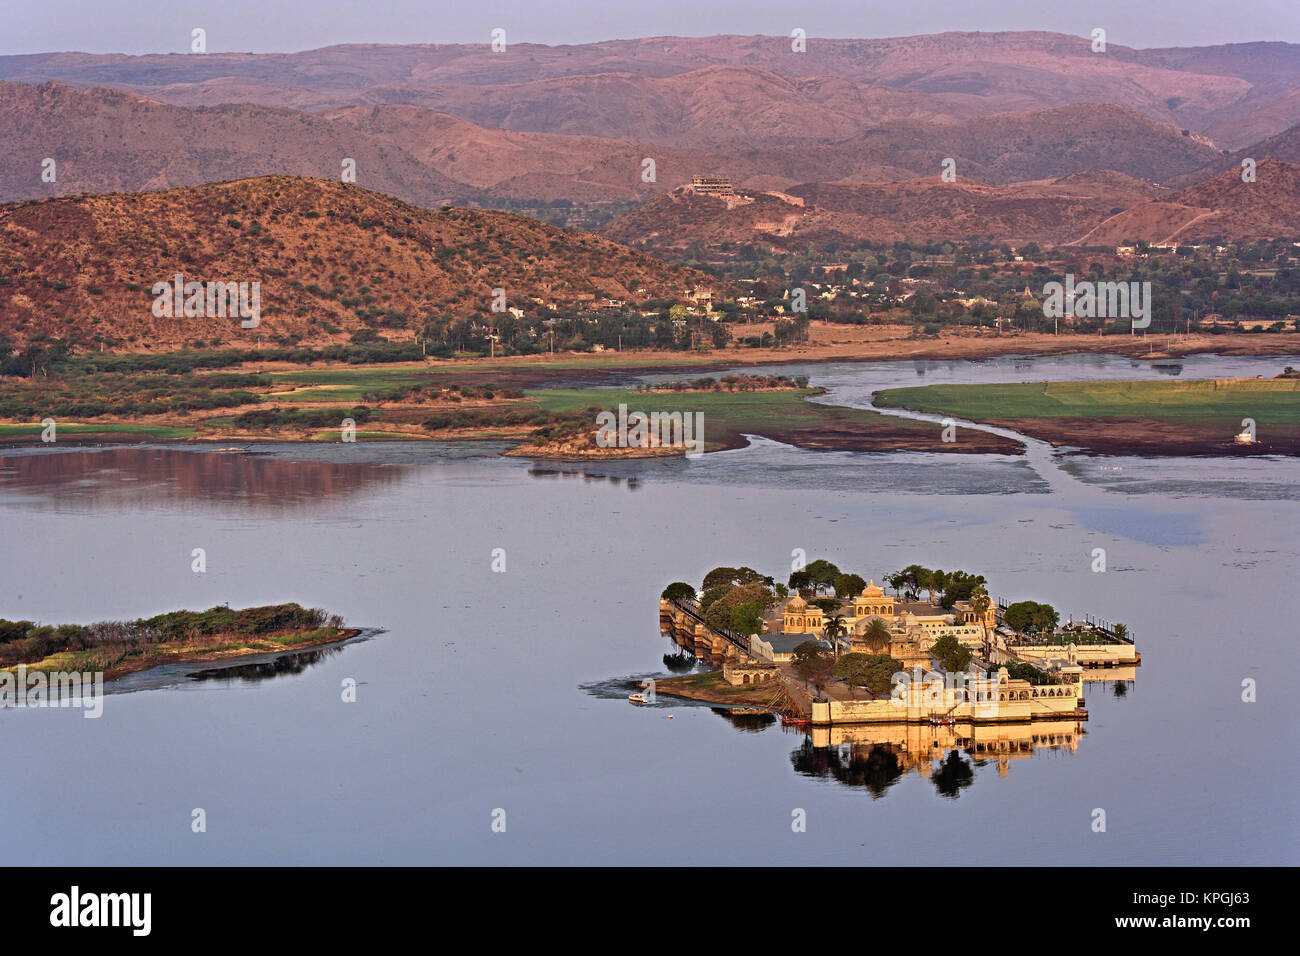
(875, 756)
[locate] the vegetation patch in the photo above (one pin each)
(121, 647)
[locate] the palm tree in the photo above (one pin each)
(835, 628)
(1120, 632)
(876, 635)
(979, 603)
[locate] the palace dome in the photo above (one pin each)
(797, 603)
(873, 590)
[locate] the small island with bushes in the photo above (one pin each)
(117, 648)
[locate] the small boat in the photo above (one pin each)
(637, 699)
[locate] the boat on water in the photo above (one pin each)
(637, 699)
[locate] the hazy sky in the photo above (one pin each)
(163, 26)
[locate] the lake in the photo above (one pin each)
(483, 690)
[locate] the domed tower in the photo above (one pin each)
(873, 602)
(801, 618)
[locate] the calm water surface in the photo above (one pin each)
(483, 690)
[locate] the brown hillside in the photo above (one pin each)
(710, 108)
(330, 258)
(1284, 146)
(109, 141)
(1046, 211)
(1220, 208)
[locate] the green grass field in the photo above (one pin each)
(1274, 401)
(162, 432)
(761, 413)
(371, 377)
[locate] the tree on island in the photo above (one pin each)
(734, 576)
(849, 585)
(813, 663)
(908, 582)
(951, 654)
(679, 591)
(712, 594)
(875, 672)
(718, 614)
(960, 586)
(1121, 632)
(1030, 616)
(932, 581)
(822, 573)
(802, 582)
(717, 577)
(942, 587)
(747, 618)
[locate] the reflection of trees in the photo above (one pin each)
(192, 476)
(749, 723)
(681, 661)
(1120, 689)
(631, 481)
(953, 774)
(294, 663)
(874, 767)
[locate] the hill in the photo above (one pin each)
(109, 141)
(812, 214)
(330, 259)
(1284, 146)
(1220, 208)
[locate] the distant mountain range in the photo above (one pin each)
(669, 90)
(1047, 138)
